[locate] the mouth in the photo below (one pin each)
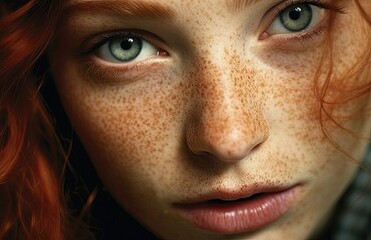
(232, 213)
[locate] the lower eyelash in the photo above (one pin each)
(301, 40)
(312, 34)
(99, 73)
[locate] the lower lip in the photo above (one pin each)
(241, 216)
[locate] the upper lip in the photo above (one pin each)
(233, 194)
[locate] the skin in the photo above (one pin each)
(222, 110)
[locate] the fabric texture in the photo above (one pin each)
(353, 213)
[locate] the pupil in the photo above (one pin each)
(295, 13)
(127, 43)
(296, 18)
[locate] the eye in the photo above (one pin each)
(126, 49)
(296, 18)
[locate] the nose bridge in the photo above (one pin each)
(217, 100)
(227, 122)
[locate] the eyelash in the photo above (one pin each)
(311, 33)
(319, 3)
(103, 38)
(113, 73)
(303, 37)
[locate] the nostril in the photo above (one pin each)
(228, 136)
(228, 145)
(233, 152)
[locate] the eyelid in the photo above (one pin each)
(274, 12)
(93, 43)
(331, 5)
(101, 71)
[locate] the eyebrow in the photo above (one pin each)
(138, 9)
(238, 5)
(127, 8)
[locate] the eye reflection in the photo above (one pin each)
(126, 49)
(296, 18)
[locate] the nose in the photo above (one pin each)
(226, 121)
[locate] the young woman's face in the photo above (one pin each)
(202, 117)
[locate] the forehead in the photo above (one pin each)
(227, 2)
(162, 8)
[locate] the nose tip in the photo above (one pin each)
(228, 144)
(225, 118)
(234, 146)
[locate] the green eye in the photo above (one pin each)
(297, 17)
(125, 49)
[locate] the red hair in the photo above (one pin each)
(32, 160)
(31, 157)
(331, 93)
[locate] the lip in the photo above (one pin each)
(237, 212)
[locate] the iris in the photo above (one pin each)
(126, 49)
(297, 17)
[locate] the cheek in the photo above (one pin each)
(127, 130)
(292, 106)
(293, 110)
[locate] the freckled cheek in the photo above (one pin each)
(293, 111)
(128, 131)
(292, 82)
(291, 101)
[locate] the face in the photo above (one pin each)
(202, 118)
